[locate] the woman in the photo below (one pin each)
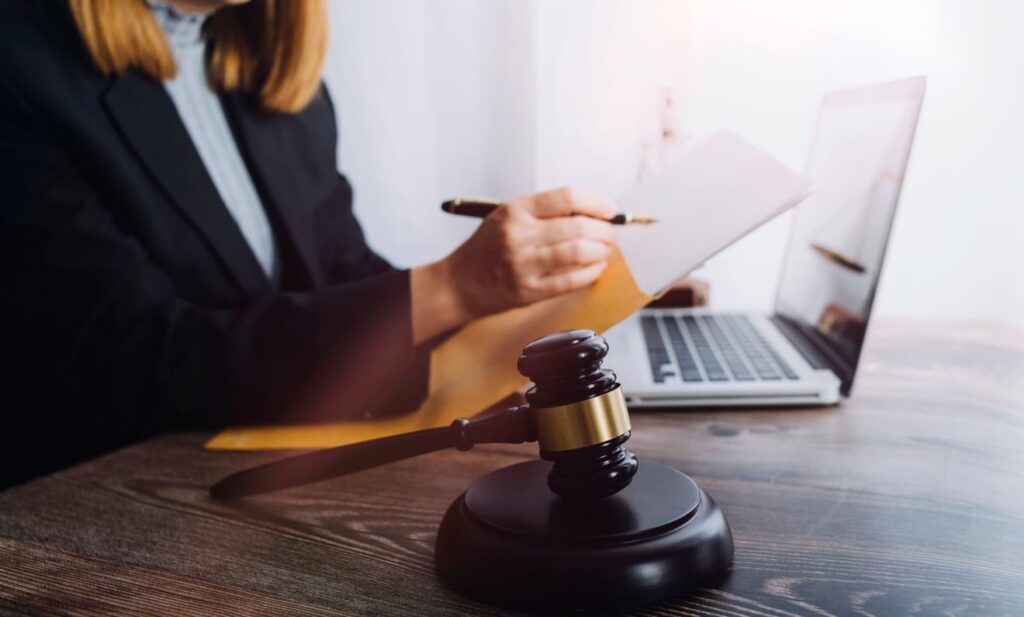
(179, 250)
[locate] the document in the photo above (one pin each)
(715, 193)
(712, 195)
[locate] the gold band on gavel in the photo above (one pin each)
(585, 423)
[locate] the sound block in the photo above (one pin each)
(510, 541)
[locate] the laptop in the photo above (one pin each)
(806, 351)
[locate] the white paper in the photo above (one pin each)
(714, 194)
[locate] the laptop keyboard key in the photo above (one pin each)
(785, 368)
(657, 354)
(754, 348)
(684, 356)
(707, 355)
(732, 357)
(779, 362)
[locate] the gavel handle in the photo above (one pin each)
(513, 425)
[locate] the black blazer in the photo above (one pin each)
(131, 301)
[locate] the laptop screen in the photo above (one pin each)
(857, 161)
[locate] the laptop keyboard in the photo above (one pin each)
(710, 348)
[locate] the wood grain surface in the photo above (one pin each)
(907, 499)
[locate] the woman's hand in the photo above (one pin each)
(529, 249)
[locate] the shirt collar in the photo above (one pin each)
(182, 28)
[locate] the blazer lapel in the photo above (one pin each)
(265, 141)
(150, 123)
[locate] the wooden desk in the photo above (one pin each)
(907, 499)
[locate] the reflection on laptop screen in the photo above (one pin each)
(857, 161)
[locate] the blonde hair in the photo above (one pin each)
(271, 49)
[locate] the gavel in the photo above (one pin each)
(603, 533)
(575, 411)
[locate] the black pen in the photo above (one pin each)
(479, 208)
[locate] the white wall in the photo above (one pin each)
(599, 70)
(440, 98)
(434, 100)
(958, 244)
(450, 97)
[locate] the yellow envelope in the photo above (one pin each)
(472, 370)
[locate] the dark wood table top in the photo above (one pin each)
(906, 499)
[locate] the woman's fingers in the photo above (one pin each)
(569, 254)
(531, 249)
(556, 231)
(570, 201)
(570, 280)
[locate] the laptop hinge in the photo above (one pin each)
(816, 351)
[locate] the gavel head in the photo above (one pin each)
(580, 414)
